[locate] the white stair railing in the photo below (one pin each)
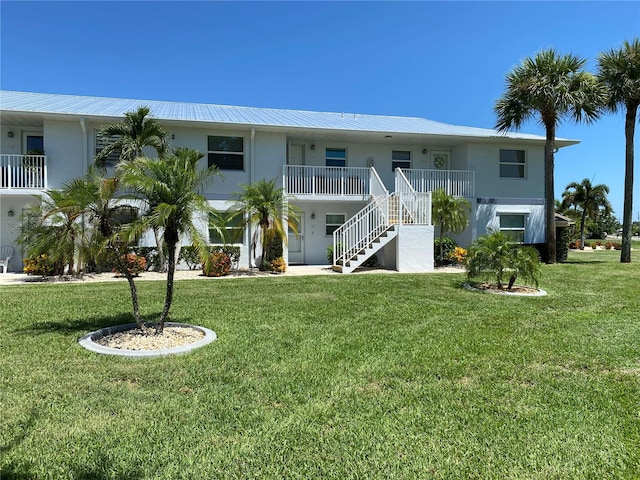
(415, 206)
(370, 222)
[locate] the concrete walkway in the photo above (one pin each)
(292, 271)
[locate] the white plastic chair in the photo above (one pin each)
(5, 255)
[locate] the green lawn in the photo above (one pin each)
(332, 377)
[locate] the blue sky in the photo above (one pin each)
(445, 61)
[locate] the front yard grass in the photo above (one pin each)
(333, 377)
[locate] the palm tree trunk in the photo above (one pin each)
(171, 268)
(627, 216)
(162, 263)
(549, 195)
(121, 266)
(583, 219)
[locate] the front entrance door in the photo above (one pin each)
(296, 245)
(296, 154)
(440, 160)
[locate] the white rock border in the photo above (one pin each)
(87, 341)
(539, 293)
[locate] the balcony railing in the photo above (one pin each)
(459, 183)
(333, 181)
(25, 172)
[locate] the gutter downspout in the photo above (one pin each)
(252, 163)
(85, 149)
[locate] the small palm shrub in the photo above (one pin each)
(278, 265)
(217, 265)
(330, 252)
(136, 264)
(495, 256)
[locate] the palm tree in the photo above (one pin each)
(551, 87)
(265, 205)
(130, 136)
(591, 199)
(109, 215)
(494, 255)
(619, 70)
(451, 214)
(171, 186)
(57, 231)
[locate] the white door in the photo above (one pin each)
(440, 160)
(296, 244)
(296, 154)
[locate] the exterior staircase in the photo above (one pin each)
(379, 222)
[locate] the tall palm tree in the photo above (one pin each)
(451, 214)
(265, 205)
(551, 87)
(129, 137)
(591, 199)
(172, 187)
(619, 70)
(109, 215)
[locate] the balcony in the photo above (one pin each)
(23, 172)
(459, 183)
(330, 182)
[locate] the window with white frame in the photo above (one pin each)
(226, 153)
(400, 159)
(512, 225)
(336, 157)
(333, 221)
(231, 228)
(512, 163)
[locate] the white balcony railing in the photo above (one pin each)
(338, 181)
(26, 172)
(459, 183)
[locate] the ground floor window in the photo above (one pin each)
(231, 228)
(512, 224)
(333, 221)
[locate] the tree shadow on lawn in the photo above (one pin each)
(82, 325)
(580, 262)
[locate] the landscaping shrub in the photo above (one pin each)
(458, 255)
(217, 265)
(278, 265)
(150, 255)
(135, 264)
(575, 245)
(189, 255)
(563, 238)
(448, 246)
(42, 265)
(330, 252)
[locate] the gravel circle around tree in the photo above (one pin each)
(129, 341)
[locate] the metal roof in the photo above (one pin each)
(103, 107)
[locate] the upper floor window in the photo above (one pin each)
(102, 141)
(513, 226)
(512, 163)
(336, 157)
(226, 153)
(400, 159)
